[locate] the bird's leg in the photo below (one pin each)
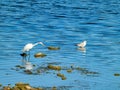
(22, 60)
(25, 58)
(29, 56)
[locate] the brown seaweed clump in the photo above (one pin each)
(53, 48)
(54, 88)
(62, 76)
(19, 66)
(0, 85)
(54, 67)
(21, 86)
(28, 71)
(117, 74)
(69, 70)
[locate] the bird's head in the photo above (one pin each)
(85, 41)
(41, 43)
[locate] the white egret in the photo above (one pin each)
(82, 44)
(29, 46)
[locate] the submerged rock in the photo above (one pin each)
(60, 75)
(54, 88)
(63, 78)
(69, 70)
(7, 88)
(117, 74)
(39, 55)
(54, 67)
(21, 86)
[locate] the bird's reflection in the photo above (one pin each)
(28, 65)
(82, 49)
(25, 63)
(81, 46)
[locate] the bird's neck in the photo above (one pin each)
(35, 44)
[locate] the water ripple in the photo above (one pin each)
(62, 23)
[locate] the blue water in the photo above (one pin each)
(62, 23)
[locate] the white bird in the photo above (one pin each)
(82, 44)
(29, 46)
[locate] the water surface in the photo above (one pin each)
(62, 23)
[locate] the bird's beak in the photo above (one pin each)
(42, 44)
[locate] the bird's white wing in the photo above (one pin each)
(82, 44)
(27, 47)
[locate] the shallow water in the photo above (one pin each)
(62, 23)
